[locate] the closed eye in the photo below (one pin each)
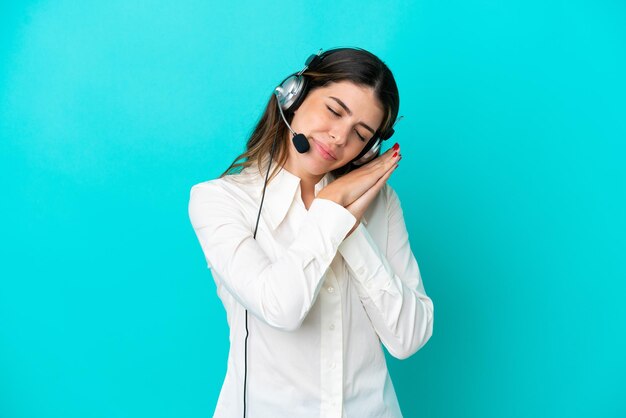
(332, 111)
(338, 115)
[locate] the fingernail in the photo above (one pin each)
(394, 154)
(396, 146)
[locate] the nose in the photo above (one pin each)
(338, 137)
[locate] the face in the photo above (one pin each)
(338, 119)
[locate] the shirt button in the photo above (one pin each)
(360, 270)
(331, 289)
(331, 327)
(332, 365)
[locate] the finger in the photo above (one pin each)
(381, 181)
(386, 160)
(373, 171)
(394, 149)
(385, 164)
(393, 159)
(388, 173)
(388, 154)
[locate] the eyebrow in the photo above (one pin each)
(347, 109)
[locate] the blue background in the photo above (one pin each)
(512, 183)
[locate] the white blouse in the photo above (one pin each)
(319, 304)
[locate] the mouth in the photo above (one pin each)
(325, 152)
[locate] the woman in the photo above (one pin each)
(330, 275)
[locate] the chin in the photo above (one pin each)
(319, 169)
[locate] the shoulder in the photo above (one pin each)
(387, 198)
(390, 195)
(232, 184)
(224, 197)
(380, 208)
(385, 206)
(213, 199)
(206, 190)
(204, 198)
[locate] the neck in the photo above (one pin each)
(309, 183)
(307, 180)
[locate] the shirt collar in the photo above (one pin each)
(281, 192)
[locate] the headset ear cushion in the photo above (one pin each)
(299, 93)
(291, 92)
(369, 152)
(387, 134)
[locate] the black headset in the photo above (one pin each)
(290, 94)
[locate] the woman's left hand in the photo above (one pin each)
(359, 206)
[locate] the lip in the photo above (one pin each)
(324, 151)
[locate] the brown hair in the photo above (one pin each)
(353, 64)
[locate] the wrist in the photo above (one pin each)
(330, 196)
(356, 225)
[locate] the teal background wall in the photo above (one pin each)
(512, 183)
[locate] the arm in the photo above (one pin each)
(279, 293)
(390, 287)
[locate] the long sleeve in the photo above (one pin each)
(390, 287)
(279, 292)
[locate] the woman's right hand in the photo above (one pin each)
(350, 187)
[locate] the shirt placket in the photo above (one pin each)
(331, 346)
